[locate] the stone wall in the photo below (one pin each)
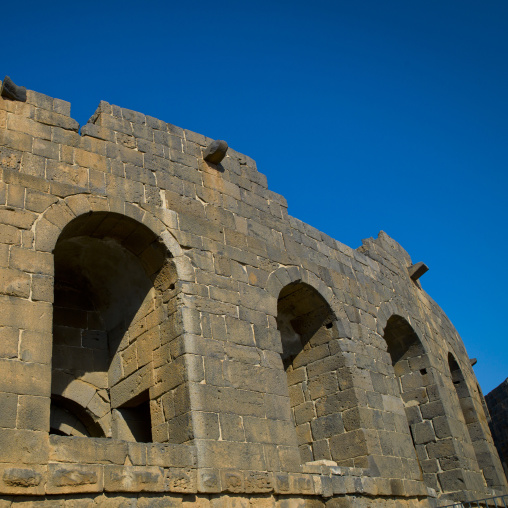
(497, 402)
(169, 334)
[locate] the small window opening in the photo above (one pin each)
(132, 420)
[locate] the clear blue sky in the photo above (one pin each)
(365, 115)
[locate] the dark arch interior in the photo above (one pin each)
(110, 273)
(403, 342)
(305, 322)
(301, 313)
(69, 419)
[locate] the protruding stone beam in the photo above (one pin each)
(417, 270)
(12, 91)
(215, 151)
(473, 361)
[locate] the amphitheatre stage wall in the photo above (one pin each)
(170, 336)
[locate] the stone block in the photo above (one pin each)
(45, 149)
(206, 425)
(38, 201)
(14, 283)
(72, 449)
(423, 432)
(27, 126)
(231, 426)
(133, 479)
(327, 426)
(181, 480)
(228, 454)
(46, 236)
(9, 338)
(209, 481)
(15, 198)
(232, 481)
(40, 100)
(31, 261)
(33, 413)
(137, 453)
(22, 480)
(25, 378)
(42, 288)
(442, 448)
(170, 455)
(258, 482)
(74, 478)
(9, 404)
(453, 480)
(338, 402)
(130, 387)
(61, 107)
(304, 412)
(23, 446)
(352, 444)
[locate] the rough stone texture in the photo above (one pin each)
(497, 403)
(170, 336)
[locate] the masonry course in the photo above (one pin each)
(170, 336)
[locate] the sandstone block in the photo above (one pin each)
(171, 455)
(56, 119)
(181, 480)
(33, 413)
(74, 478)
(25, 378)
(9, 338)
(23, 446)
(22, 480)
(45, 148)
(10, 234)
(9, 404)
(208, 481)
(133, 479)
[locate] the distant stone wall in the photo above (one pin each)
(170, 335)
(497, 402)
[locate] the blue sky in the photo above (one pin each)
(365, 115)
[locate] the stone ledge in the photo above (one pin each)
(73, 478)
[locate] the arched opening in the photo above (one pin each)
(419, 394)
(67, 418)
(113, 282)
(477, 429)
(306, 325)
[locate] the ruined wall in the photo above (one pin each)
(168, 331)
(497, 402)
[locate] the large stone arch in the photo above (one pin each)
(52, 226)
(49, 225)
(76, 408)
(326, 392)
(285, 275)
(447, 462)
(397, 307)
(475, 419)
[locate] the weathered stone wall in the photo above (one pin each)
(497, 403)
(168, 330)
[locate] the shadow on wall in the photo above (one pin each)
(113, 279)
(418, 391)
(305, 322)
